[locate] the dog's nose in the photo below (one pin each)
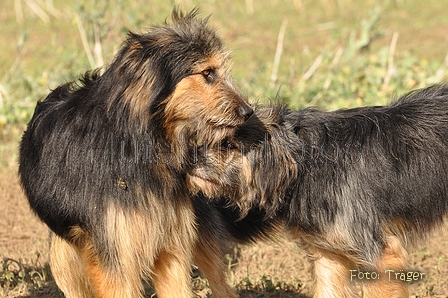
(246, 112)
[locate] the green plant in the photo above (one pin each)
(15, 274)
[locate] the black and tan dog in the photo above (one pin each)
(356, 187)
(103, 162)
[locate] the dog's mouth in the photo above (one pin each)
(196, 183)
(197, 175)
(210, 167)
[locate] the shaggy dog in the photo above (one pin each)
(356, 187)
(103, 161)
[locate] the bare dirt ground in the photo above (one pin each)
(263, 270)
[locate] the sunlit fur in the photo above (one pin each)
(356, 187)
(219, 225)
(103, 161)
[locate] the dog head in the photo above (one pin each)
(255, 168)
(176, 78)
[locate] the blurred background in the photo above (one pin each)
(327, 53)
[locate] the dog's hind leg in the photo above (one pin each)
(117, 274)
(393, 260)
(68, 269)
(171, 275)
(331, 275)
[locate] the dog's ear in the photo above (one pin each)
(142, 67)
(273, 154)
(151, 65)
(145, 72)
(276, 168)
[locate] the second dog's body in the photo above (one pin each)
(355, 187)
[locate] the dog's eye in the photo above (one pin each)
(208, 74)
(229, 145)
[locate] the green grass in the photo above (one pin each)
(335, 54)
(17, 279)
(349, 42)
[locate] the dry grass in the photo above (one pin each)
(333, 54)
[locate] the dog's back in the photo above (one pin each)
(356, 187)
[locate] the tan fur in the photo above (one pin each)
(64, 255)
(169, 91)
(155, 239)
(331, 275)
(356, 235)
(215, 103)
(225, 161)
(208, 256)
(331, 270)
(393, 258)
(159, 246)
(196, 183)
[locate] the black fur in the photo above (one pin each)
(342, 182)
(393, 159)
(81, 138)
(109, 155)
(370, 165)
(221, 219)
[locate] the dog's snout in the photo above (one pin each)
(246, 111)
